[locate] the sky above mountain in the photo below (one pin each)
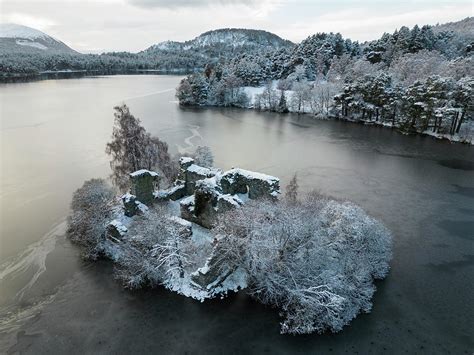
(133, 25)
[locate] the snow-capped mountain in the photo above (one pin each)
(18, 38)
(226, 39)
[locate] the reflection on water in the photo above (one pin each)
(50, 301)
(458, 164)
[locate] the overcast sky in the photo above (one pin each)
(133, 25)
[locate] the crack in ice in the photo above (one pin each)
(189, 144)
(34, 256)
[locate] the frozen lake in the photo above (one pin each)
(53, 136)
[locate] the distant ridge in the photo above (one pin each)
(257, 55)
(226, 39)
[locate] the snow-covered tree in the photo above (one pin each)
(193, 90)
(369, 82)
(315, 260)
(282, 104)
(153, 251)
(132, 148)
(411, 67)
(321, 96)
(301, 96)
(91, 211)
(463, 96)
(268, 99)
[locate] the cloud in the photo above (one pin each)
(189, 3)
(40, 23)
(133, 25)
(376, 20)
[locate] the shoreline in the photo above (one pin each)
(436, 137)
(75, 74)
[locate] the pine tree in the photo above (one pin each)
(291, 194)
(282, 105)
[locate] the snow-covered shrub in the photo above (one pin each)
(152, 252)
(91, 207)
(315, 260)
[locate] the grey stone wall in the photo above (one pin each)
(143, 183)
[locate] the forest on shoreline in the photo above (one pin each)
(419, 80)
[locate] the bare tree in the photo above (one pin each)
(132, 148)
(269, 97)
(301, 96)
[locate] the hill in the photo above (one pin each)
(226, 40)
(22, 39)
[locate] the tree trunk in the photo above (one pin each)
(453, 124)
(460, 121)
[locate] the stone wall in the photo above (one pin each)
(203, 194)
(143, 184)
(215, 191)
(212, 190)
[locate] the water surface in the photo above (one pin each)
(53, 135)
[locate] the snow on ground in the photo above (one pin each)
(242, 197)
(251, 92)
(180, 221)
(186, 287)
(232, 199)
(11, 30)
(31, 44)
(201, 235)
(174, 207)
(235, 282)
